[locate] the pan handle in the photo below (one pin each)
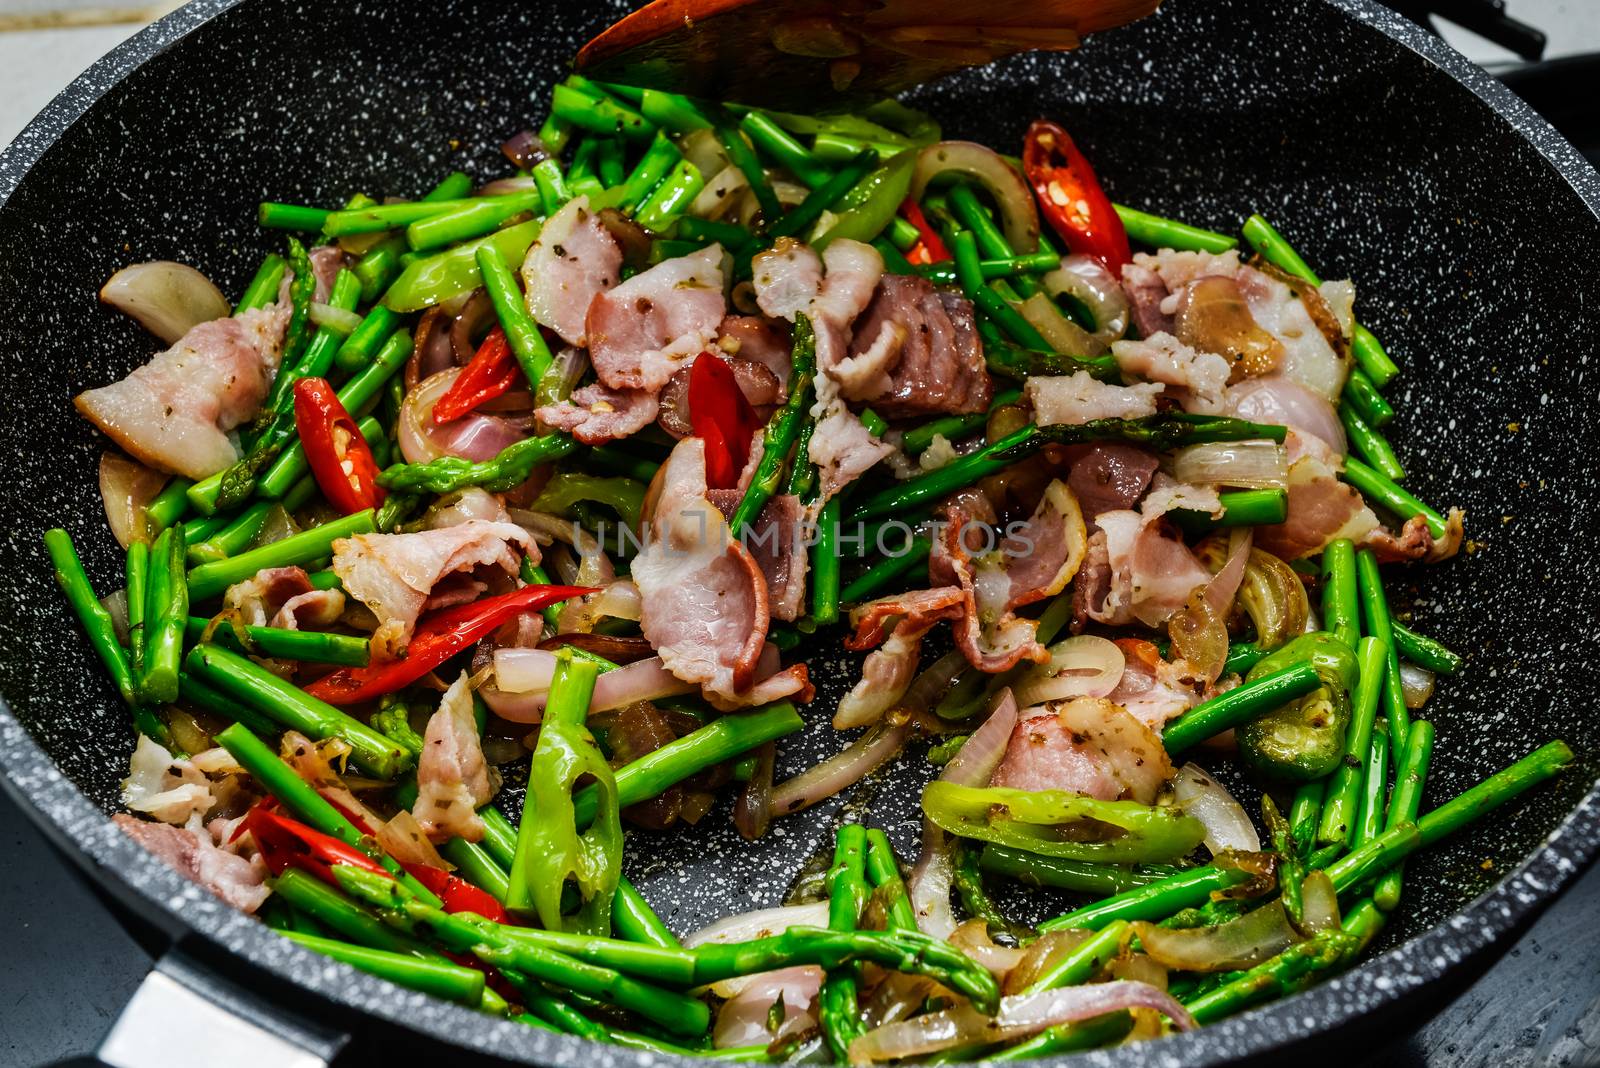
(186, 1016)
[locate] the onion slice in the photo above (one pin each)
(644, 680)
(1319, 904)
(1019, 216)
(859, 759)
(1417, 684)
(972, 765)
(473, 437)
(1019, 1016)
(1227, 824)
(1082, 666)
(168, 299)
(1088, 281)
(1241, 943)
(759, 924)
(126, 487)
(1246, 464)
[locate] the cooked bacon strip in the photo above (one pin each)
(164, 787)
(597, 413)
(1154, 691)
(1089, 746)
(399, 576)
(888, 671)
(1200, 377)
(174, 413)
(916, 352)
(750, 337)
(191, 852)
(1080, 398)
(705, 606)
(657, 321)
(282, 597)
(573, 261)
(776, 541)
(452, 778)
(1148, 575)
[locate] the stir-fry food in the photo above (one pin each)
(565, 473)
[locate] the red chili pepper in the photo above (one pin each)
(338, 454)
(722, 418)
(286, 843)
(457, 894)
(491, 373)
(930, 247)
(1071, 198)
(437, 638)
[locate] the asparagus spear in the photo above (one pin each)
(1153, 902)
(165, 508)
(1411, 770)
(1161, 433)
(1361, 394)
(451, 473)
(837, 1008)
(671, 199)
(137, 571)
(312, 646)
(353, 922)
(982, 293)
(867, 585)
(166, 612)
(1157, 232)
(1373, 446)
(441, 978)
(1239, 705)
(782, 430)
(522, 333)
(1374, 787)
(636, 921)
(884, 872)
(208, 580)
(1424, 651)
(366, 341)
(825, 564)
(1340, 603)
(1386, 492)
(286, 704)
(1081, 965)
(1341, 803)
(1082, 877)
(493, 944)
(96, 621)
(1377, 622)
(472, 219)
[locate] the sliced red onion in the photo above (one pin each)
(759, 924)
(168, 299)
(1227, 824)
(1278, 401)
(431, 351)
(1019, 1016)
(594, 566)
(1245, 464)
(752, 812)
(1085, 665)
(473, 437)
(1417, 683)
(520, 183)
(1087, 279)
(972, 765)
(1319, 904)
(1064, 335)
(523, 670)
(126, 487)
(1240, 943)
(821, 781)
(1019, 217)
(745, 1019)
(473, 321)
(644, 680)
(524, 150)
(339, 320)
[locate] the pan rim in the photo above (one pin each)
(56, 805)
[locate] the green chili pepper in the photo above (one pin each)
(551, 851)
(624, 496)
(431, 280)
(1303, 739)
(872, 204)
(1033, 820)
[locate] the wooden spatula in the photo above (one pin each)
(794, 53)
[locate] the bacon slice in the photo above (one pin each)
(916, 352)
(888, 671)
(1108, 476)
(1080, 398)
(282, 597)
(776, 540)
(399, 576)
(573, 261)
(1089, 746)
(597, 413)
(705, 608)
(643, 330)
(192, 854)
(452, 777)
(1199, 377)
(174, 413)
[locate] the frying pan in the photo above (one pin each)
(1469, 225)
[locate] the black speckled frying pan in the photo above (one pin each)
(1471, 229)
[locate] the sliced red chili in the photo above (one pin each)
(930, 247)
(437, 638)
(339, 457)
(1071, 198)
(722, 418)
(287, 843)
(491, 373)
(457, 894)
